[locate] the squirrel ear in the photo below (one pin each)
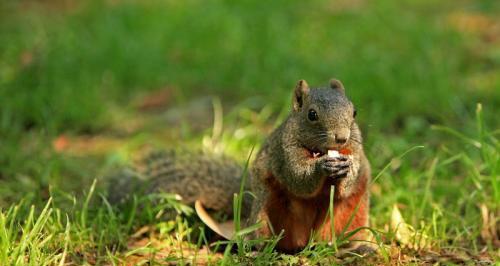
(336, 84)
(301, 90)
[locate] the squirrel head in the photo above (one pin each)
(324, 116)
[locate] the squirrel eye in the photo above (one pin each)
(312, 115)
(355, 113)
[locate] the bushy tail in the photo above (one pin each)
(209, 178)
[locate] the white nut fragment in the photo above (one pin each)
(333, 154)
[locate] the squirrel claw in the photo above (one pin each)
(335, 167)
(341, 174)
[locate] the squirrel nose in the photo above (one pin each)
(340, 139)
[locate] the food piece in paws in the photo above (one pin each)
(333, 154)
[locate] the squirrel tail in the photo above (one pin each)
(209, 178)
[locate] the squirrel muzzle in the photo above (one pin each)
(337, 138)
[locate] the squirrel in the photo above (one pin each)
(290, 178)
(292, 173)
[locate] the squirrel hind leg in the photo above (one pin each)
(360, 248)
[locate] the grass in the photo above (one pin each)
(74, 73)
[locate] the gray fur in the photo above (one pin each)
(194, 176)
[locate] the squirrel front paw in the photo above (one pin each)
(337, 167)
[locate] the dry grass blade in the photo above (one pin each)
(225, 230)
(405, 234)
(489, 230)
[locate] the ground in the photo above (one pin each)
(85, 86)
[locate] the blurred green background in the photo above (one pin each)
(87, 85)
(91, 68)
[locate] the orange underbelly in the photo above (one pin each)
(299, 219)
